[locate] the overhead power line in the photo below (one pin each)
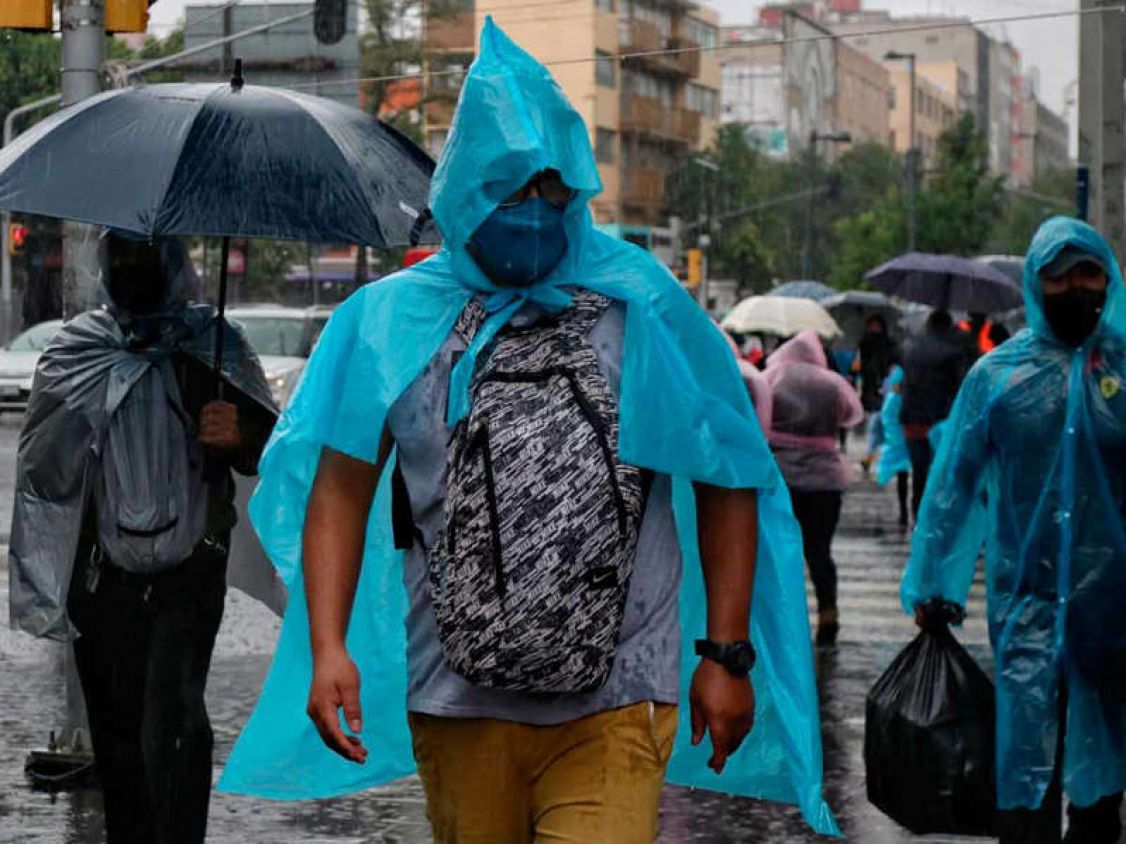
(762, 42)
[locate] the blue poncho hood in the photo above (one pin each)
(1033, 465)
(684, 412)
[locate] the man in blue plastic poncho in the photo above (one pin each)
(549, 394)
(1038, 436)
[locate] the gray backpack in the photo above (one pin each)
(530, 573)
(150, 497)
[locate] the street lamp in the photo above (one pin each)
(894, 56)
(841, 137)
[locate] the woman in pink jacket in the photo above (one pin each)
(811, 403)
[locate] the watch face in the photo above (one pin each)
(741, 658)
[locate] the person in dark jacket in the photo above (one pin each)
(934, 365)
(878, 353)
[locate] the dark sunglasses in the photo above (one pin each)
(548, 184)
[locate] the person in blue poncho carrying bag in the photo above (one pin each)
(1032, 464)
(507, 446)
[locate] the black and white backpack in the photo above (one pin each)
(530, 573)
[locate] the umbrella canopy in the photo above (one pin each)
(804, 289)
(781, 316)
(221, 159)
(948, 282)
(852, 309)
(1010, 265)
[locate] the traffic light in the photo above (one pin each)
(330, 20)
(127, 15)
(17, 238)
(27, 14)
(695, 260)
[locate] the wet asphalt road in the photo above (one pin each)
(869, 549)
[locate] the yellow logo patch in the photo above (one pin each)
(1110, 385)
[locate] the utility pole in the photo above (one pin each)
(1102, 113)
(83, 47)
(228, 50)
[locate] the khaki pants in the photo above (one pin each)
(595, 780)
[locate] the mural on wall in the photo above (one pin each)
(809, 75)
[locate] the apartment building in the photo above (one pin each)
(786, 78)
(649, 92)
(936, 110)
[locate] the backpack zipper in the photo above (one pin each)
(481, 439)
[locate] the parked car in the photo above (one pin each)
(283, 338)
(18, 361)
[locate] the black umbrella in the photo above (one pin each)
(226, 160)
(853, 308)
(947, 282)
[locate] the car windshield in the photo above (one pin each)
(274, 336)
(36, 338)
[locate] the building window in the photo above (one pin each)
(605, 69)
(605, 146)
(702, 33)
(700, 99)
(604, 5)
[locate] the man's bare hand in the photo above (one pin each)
(336, 686)
(218, 426)
(723, 705)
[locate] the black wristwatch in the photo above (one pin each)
(737, 657)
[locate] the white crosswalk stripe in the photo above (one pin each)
(870, 551)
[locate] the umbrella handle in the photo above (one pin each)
(224, 255)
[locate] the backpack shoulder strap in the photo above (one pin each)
(586, 309)
(472, 317)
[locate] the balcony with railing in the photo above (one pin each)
(649, 116)
(450, 31)
(643, 37)
(643, 188)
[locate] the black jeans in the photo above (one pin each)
(143, 653)
(818, 512)
(921, 457)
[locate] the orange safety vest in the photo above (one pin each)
(985, 343)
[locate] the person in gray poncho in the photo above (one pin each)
(123, 516)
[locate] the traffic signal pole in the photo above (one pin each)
(83, 49)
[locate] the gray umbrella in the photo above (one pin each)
(948, 282)
(853, 308)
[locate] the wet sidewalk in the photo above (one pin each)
(870, 551)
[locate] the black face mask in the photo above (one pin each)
(136, 282)
(1074, 314)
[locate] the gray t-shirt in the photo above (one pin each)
(647, 664)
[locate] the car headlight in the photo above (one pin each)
(281, 384)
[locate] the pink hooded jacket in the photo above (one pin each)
(755, 383)
(810, 404)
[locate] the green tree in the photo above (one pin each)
(866, 240)
(29, 68)
(746, 257)
(1050, 193)
(959, 206)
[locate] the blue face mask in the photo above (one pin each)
(518, 246)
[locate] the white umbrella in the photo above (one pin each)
(780, 315)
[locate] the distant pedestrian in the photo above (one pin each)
(876, 356)
(1039, 433)
(894, 460)
(125, 505)
(934, 364)
(811, 403)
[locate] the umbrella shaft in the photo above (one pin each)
(224, 255)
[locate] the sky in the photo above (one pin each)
(1050, 45)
